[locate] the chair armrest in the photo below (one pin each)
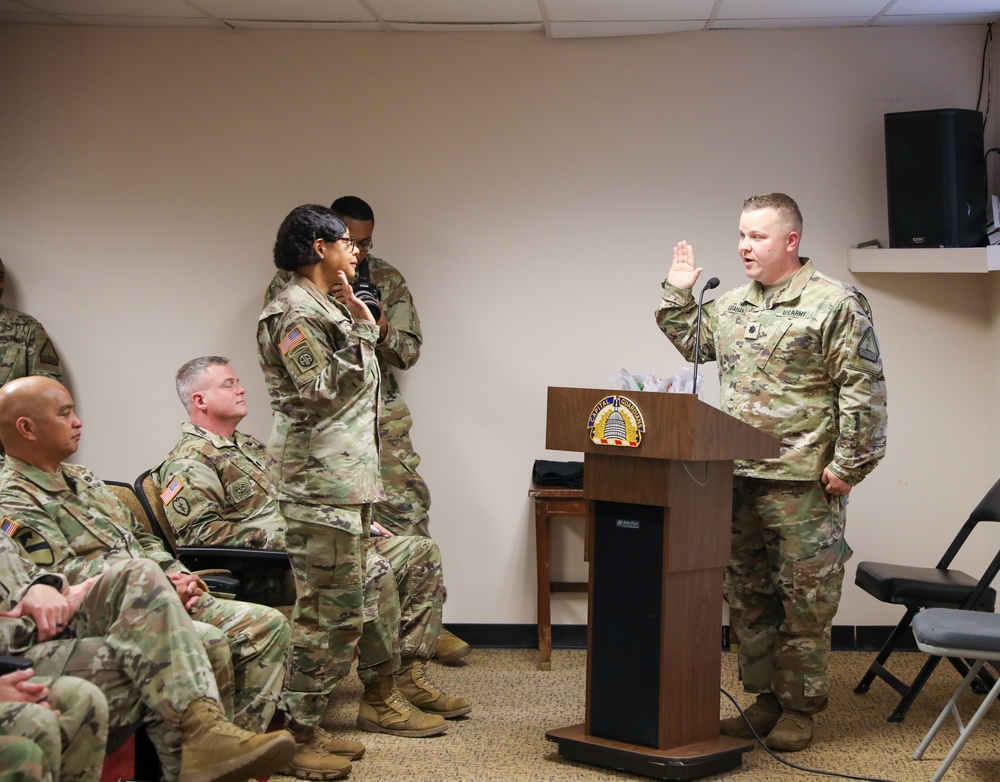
(235, 561)
(263, 556)
(10, 663)
(219, 584)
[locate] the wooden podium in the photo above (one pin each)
(660, 517)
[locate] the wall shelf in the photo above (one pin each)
(925, 260)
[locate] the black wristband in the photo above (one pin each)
(50, 579)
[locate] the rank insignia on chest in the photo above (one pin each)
(752, 331)
(616, 420)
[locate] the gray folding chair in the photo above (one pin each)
(952, 632)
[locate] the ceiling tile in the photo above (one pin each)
(983, 18)
(935, 7)
(612, 29)
(792, 9)
(627, 10)
(252, 24)
(457, 10)
(117, 8)
(287, 10)
(778, 24)
(7, 17)
(457, 27)
(83, 20)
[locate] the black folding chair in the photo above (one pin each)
(238, 562)
(918, 588)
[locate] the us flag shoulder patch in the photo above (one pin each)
(8, 526)
(292, 338)
(171, 491)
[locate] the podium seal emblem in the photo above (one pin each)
(616, 420)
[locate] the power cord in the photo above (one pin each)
(986, 74)
(789, 763)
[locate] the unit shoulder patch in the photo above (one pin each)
(35, 546)
(868, 346)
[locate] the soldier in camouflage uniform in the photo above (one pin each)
(68, 521)
(217, 492)
(798, 358)
(316, 344)
(25, 347)
(406, 506)
(66, 718)
(127, 632)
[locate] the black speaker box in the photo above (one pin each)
(936, 178)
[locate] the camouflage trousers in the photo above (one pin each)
(329, 562)
(783, 585)
(404, 594)
(408, 500)
(258, 639)
(136, 643)
(36, 743)
(22, 760)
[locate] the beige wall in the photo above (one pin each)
(529, 189)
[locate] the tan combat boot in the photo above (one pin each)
(215, 750)
(385, 710)
(451, 648)
(319, 739)
(793, 732)
(763, 715)
(320, 756)
(418, 689)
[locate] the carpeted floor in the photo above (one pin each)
(514, 704)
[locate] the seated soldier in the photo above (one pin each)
(216, 492)
(51, 729)
(127, 632)
(68, 521)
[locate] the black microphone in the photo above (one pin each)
(712, 283)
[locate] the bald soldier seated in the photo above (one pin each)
(216, 491)
(69, 522)
(127, 632)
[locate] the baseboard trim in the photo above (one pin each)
(845, 638)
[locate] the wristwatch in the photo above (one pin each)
(49, 579)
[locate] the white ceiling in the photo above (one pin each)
(556, 18)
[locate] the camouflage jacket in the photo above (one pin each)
(407, 499)
(407, 496)
(801, 362)
(403, 337)
(217, 492)
(25, 348)
(322, 376)
(69, 521)
(17, 575)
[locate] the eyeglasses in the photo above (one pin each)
(365, 244)
(351, 244)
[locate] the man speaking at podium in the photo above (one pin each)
(798, 358)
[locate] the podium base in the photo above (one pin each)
(690, 761)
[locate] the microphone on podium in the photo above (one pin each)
(712, 283)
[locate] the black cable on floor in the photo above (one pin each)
(789, 763)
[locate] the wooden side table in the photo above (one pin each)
(553, 502)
